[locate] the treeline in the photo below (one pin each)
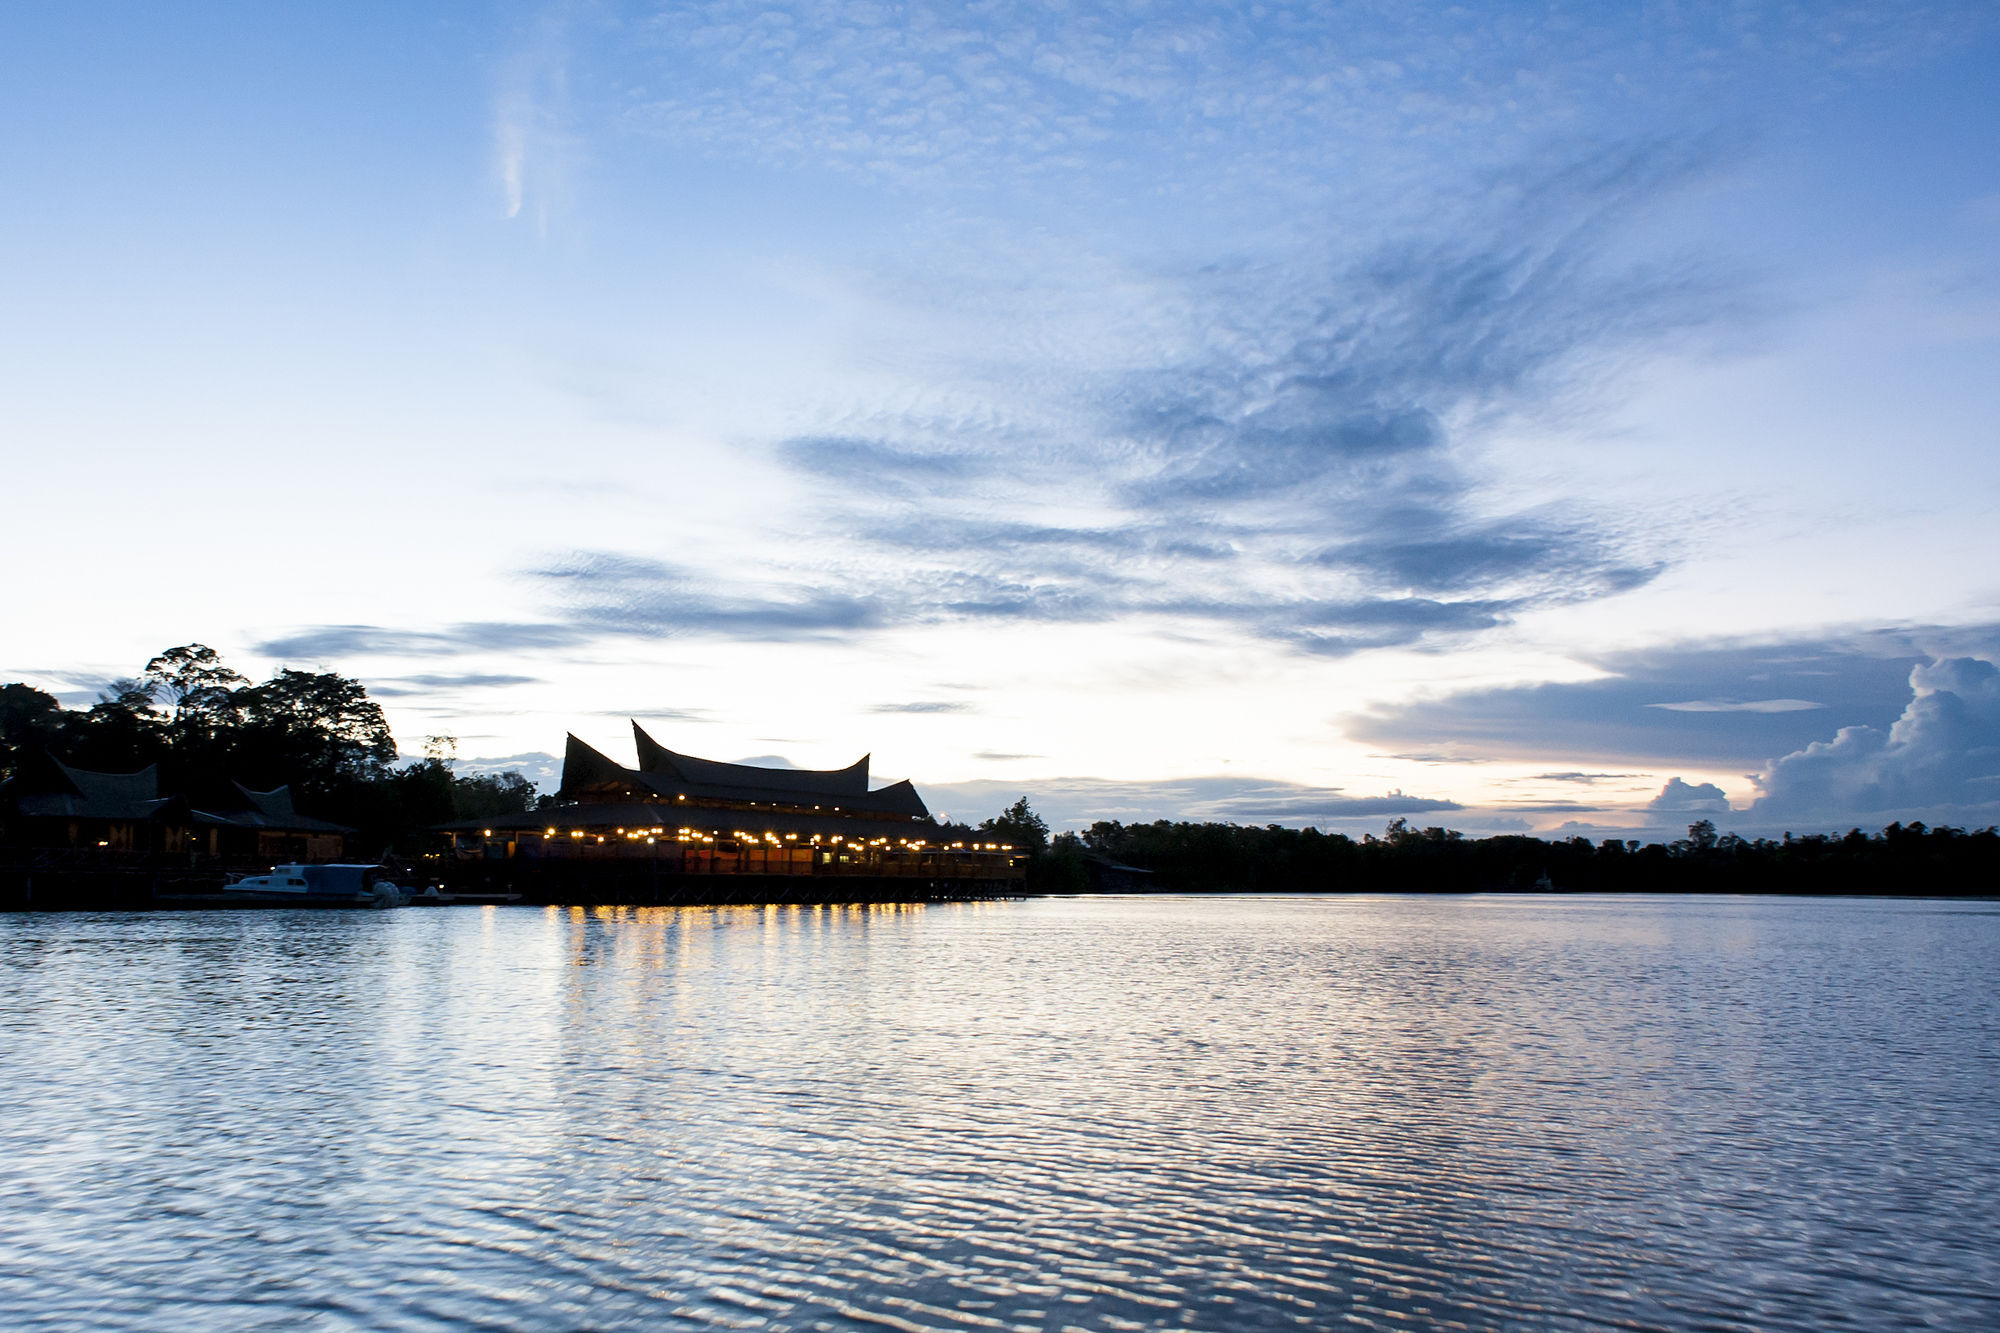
(206, 725)
(1207, 858)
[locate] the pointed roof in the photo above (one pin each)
(275, 804)
(668, 774)
(272, 810)
(55, 788)
(657, 758)
(47, 788)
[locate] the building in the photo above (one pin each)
(675, 816)
(51, 806)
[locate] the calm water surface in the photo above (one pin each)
(1102, 1114)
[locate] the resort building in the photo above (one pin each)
(675, 814)
(50, 806)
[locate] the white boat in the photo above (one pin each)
(322, 886)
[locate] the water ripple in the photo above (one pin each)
(1092, 1115)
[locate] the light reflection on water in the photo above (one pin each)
(1098, 1114)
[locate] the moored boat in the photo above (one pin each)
(320, 886)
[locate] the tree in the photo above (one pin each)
(316, 730)
(121, 732)
(491, 794)
(1019, 826)
(198, 689)
(29, 721)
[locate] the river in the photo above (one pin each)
(1101, 1114)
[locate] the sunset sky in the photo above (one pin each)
(1509, 417)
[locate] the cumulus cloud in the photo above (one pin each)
(1681, 798)
(1942, 753)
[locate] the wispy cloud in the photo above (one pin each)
(1740, 706)
(408, 686)
(327, 643)
(1284, 454)
(533, 144)
(1587, 779)
(1283, 95)
(1078, 802)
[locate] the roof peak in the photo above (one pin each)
(657, 758)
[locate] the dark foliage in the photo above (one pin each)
(207, 727)
(1018, 826)
(1182, 858)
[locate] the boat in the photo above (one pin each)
(319, 886)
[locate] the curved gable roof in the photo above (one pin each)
(658, 759)
(585, 767)
(669, 775)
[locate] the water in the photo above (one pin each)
(1101, 1114)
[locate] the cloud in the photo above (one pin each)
(1740, 706)
(330, 642)
(1678, 796)
(1101, 96)
(1941, 754)
(926, 706)
(532, 145)
(865, 462)
(1574, 776)
(1269, 448)
(657, 714)
(605, 593)
(1859, 679)
(537, 766)
(1078, 802)
(1280, 457)
(1424, 549)
(410, 686)
(767, 761)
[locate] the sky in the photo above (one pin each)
(1568, 419)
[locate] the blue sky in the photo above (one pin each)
(1526, 417)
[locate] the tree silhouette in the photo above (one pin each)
(1019, 826)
